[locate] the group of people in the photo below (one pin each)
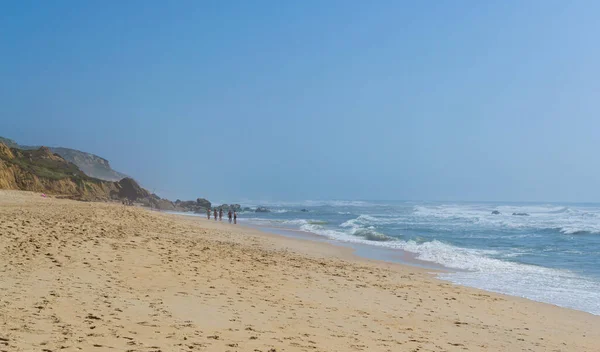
(219, 214)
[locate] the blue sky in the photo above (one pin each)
(420, 100)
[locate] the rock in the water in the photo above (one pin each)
(495, 212)
(520, 214)
(304, 210)
(262, 210)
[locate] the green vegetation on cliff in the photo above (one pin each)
(90, 164)
(43, 170)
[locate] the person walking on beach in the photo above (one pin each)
(208, 213)
(221, 214)
(235, 217)
(229, 215)
(216, 214)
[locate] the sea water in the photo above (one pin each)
(549, 253)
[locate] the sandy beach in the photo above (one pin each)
(78, 276)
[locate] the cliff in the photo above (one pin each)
(43, 171)
(92, 165)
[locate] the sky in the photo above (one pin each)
(289, 100)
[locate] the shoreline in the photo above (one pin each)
(376, 253)
(351, 251)
(359, 250)
(103, 277)
(362, 251)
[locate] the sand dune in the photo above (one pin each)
(102, 277)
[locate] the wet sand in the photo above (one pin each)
(104, 277)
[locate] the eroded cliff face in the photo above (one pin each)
(92, 165)
(43, 171)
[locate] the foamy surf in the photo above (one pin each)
(545, 252)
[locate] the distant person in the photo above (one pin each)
(216, 215)
(229, 215)
(208, 213)
(221, 214)
(235, 217)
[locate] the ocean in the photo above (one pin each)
(544, 252)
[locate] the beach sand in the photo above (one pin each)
(103, 277)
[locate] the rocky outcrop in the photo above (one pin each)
(203, 203)
(495, 212)
(128, 188)
(520, 214)
(155, 202)
(200, 205)
(262, 210)
(5, 152)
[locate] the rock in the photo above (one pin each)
(203, 203)
(5, 152)
(156, 202)
(304, 210)
(198, 206)
(131, 190)
(262, 210)
(520, 214)
(200, 210)
(495, 212)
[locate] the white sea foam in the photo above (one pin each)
(307, 203)
(548, 231)
(566, 220)
(478, 269)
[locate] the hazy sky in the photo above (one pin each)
(289, 100)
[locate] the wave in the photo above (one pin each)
(279, 222)
(360, 220)
(492, 252)
(305, 222)
(579, 231)
(371, 235)
(478, 268)
(564, 220)
(308, 203)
